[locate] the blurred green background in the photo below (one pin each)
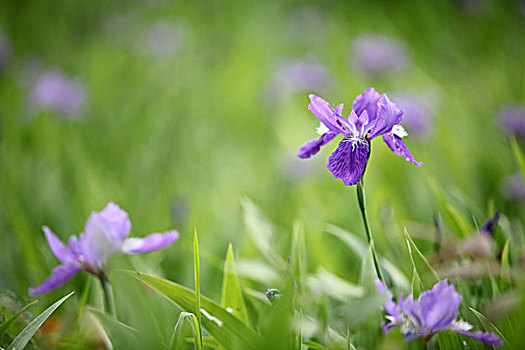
(190, 106)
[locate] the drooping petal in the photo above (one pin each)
(117, 220)
(391, 308)
(398, 146)
(154, 241)
(349, 160)
(491, 224)
(489, 338)
(312, 147)
(388, 115)
(58, 248)
(322, 110)
(367, 101)
(60, 275)
(440, 306)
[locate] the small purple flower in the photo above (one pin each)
(372, 115)
(513, 187)
(418, 113)
(512, 120)
(436, 310)
(375, 54)
(55, 91)
(164, 39)
(104, 236)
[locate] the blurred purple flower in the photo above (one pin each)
(54, 91)
(164, 39)
(418, 113)
(104, 236)
(376, 54)
(297, 76)
(436, 310)
(512, 120)
(514, 187)
(372, 115)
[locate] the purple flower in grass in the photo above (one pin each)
(372, 115)
(376, 54)
(512, 120)
(436, 310)
(104, 236)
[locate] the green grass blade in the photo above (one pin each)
(229, 331)
(83, 300)
(197, 270)
(27, 333)
(518, 156)
(232, 296)
(416, 284)
(299, 253)
(4, 326)
(367, 276)
(176, 338)
(426, 274)
(487, 325)
(120, 334)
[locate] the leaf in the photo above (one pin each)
(196, 268)
(27, 333)
(83, 300)
(299, 252)
(314, 345)
(359, 247)
(416, 285)
(261, 232)
(4, 326)
(487, 325)
(232, 296)
(176, 338)
(367, 275)
(518, 156)
(426, 274)
(121, 335)
(229, 331)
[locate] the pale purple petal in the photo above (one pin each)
(58, 248)
(60, 275)
(491, 224)
(398, 146)
(512, 120)
(98, 242)
(349, 160)
(313, 147)
(154, 241)
(489, 338)
(322, 110)
(117, 219)
(376, 54)
(367, 101)
(440, 306)
(388, 115)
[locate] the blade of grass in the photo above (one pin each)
(176, 338)
(196, 268)
(27, 333)
(426, 274)
(4, 326)
(489, 326)
(232, 296)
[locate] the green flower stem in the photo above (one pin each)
(362, 207)
(109, 301)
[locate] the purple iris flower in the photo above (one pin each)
(55, 91)
(375, 54)
(372, 115)
(512, 120)
(104, 236)
(436, 310)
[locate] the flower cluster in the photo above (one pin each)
(436, 310)
(372, 115)
(104, 236)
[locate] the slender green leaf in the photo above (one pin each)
(27, 333)
(518, 156)
(359, 247)
(487, 325)
(368, 275)
(4, 326)
(176, 338)
(83, 300)
(122, 336)
(261, 232)
(416, 284)
(314, 345)
(299, 253)
(426, 274)
(232, 296)
(197, 271)
(229, 331)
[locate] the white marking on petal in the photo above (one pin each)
(211, 318)
(131, 244)
(460, 325)
(399, 131)
(322, 129)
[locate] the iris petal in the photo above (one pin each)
(349, 160)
